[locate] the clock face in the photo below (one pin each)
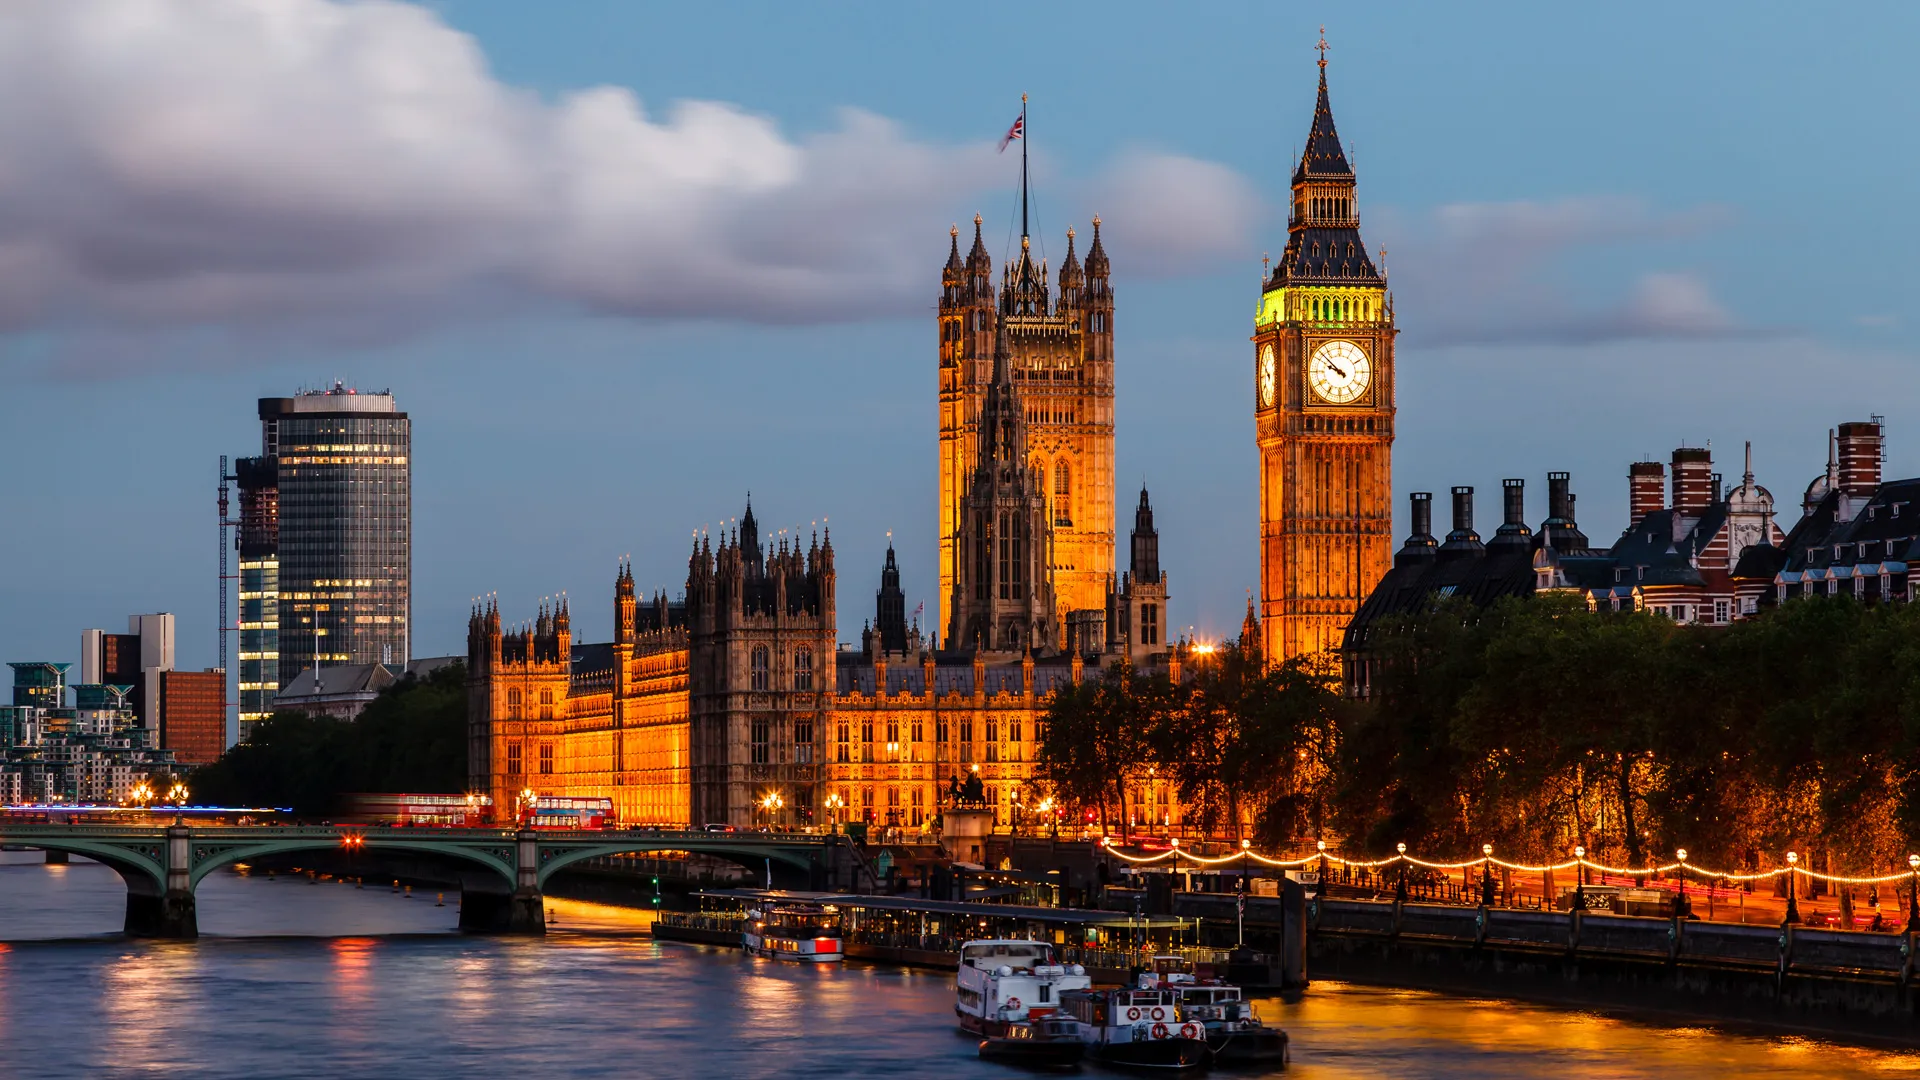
(1266, 376)
(1339, 372)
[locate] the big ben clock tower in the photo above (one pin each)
(1323, 409)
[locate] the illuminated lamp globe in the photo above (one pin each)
(1914, 861)
(1244, 844)
(1793, 858)
(1402, 847)
(1487, 850)
(1580, 852)
(1683, 854)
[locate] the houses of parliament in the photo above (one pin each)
(735, 703)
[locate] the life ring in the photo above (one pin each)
(1133, 1014)
(1159, 1031)
(1187, 1032)
(1014, 1004)
(1159, 1013)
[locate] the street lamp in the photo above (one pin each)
(1793, 900)
(1580, 877)
(177, 794)
(1321, 847)
(1680, 905)
(771, 805)
(834, 803)
(1400, 893)
(1486, 875)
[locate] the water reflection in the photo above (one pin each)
(598, 997)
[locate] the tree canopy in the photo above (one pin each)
(412, 738)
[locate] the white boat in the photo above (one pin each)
(807, 933)
(1139, 1029)
(1007, 981)
(1234, 1032)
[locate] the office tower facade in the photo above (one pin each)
(258, 545)
(135, 660)
(343, 510)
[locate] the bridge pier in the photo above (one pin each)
(56, 858)
(524, 911)
(169, 912)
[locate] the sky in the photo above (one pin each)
(623, 263)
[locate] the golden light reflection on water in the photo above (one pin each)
(1342, 1031)
(140, 987)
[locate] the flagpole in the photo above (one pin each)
(1023, 166)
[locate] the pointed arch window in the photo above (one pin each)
(803, 669)
(1063, 493)
(758, 669)
(1006, 554)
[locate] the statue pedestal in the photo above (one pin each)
(963, 833)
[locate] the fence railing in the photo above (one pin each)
(1786, 948)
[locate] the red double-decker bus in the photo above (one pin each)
(412, 809)
(569, 812)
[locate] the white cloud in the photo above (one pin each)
(355, 171)
(1485, 272)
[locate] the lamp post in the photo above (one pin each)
(1321, 845)
(1913, 894)
(1680, 904)
(771, 805)
(1793, 900)
(1400, 890)
(834, 803)
(1580, 878)
(1486, 875)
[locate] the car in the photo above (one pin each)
(721, 828)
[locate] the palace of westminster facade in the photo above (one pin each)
(734, 703)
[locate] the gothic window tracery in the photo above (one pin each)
(803, 670)
(759, 675)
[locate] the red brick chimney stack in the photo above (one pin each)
(1860, 457)
(1692, 481)
(1646, 489)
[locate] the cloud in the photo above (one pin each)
(1478, 273)
(354, 172)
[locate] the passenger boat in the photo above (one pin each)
(1001, 982)
(1053, 1042)
(808, 933)
(1138, 1029)
(1234, 1033)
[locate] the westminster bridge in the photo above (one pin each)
(502, 873)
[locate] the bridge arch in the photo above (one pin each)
(215, 855)
(554, 859)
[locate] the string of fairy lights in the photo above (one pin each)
(1486, 859)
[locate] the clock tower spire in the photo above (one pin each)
(1323, 373)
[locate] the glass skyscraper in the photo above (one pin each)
(258, 545)
(342, 545)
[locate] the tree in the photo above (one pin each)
(410, 738)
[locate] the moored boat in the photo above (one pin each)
(1234, 1032)
(808, 933)
(1138, 1029)
(1006, 981)
(1052, 1042)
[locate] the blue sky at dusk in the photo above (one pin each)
(624, 262)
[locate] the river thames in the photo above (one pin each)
(292, 979)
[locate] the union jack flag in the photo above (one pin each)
(1017, 131)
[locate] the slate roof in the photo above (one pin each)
(1881, 532)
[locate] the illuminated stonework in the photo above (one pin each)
(1323, 390)
(1062, 361)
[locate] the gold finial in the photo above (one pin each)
(1023, 99)
(1323, 48)
(955, 231)
(1025, 242)
(1069, 232)
(977, 219)
(1096, 221)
